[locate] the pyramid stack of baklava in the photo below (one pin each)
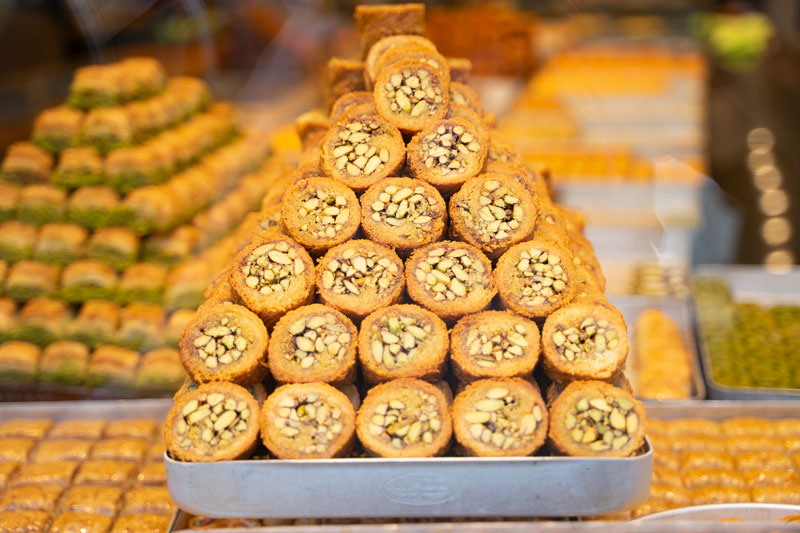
(416, 258)
(114, 217)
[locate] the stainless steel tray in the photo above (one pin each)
(748, 284)
(722, 409)
(679, 309)
(748, 512)
(445, 487)
(105, 409)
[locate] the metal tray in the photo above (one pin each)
(105, 409)
(445, 487)
(722, 409)
(748, 284)
(748, 512)
(679, 309)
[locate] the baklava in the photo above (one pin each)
(8, 318)
(78, 167)
(31, 279)
(104, 472)
(92, 499)
(460, 70)
(62, 450)
(148, 500)
(107, 129)
(19, 362)
(342, 76)
(43, 320)
(9, 199)
(142, 282)
(89, 429)
(402, 341)
(137, 428)
(31, 497)
(65, 362)
(142, 523)
(35, 428)
(186, 283)
(356, 99)
(60, 244)
(51, 473)
(176, 323)
(375, 22)
(152, 474)
(113, 366)
(92, 207)
(141, 326)
(160, 369)
(382, 46)
(120, 449)
(17, 241)
(96, 323)
(412, 94)
(24, 521)
(26, 163)
(119, 247)
(40, 204)
(88, 280)
(15, 449)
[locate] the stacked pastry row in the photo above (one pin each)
(406, 217)
(82, 475)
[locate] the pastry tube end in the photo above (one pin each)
(411, 94)
(378, 21)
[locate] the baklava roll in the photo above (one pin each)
(272, 276)
(119, 247)
(402, 341)
(30, 279)
(17, 241)
(412, 94)
(92, 207)
(9, 200)
(313, 343)
(104, 472)
(593, 418)
(185, 284)
(447, 153)
(534, 278)
(65, 362)
(43, 320)
(113, 366)
(142, 282)
(56, 128)
(405, 418)
(8, 318)
(308, 421)
(88, 429)
(403, 213)
(500, 418)
(355, 99)
(258, 390)
(494, 344)
(460, 70)
(465, 113)
(501, 149)
(584, 341)
(216, 422)
(91, 499)
(342, 76)
(450, 278)
(463, 94)
(527, 178)
(96, 323)
(411, 51)
(320, 213)
(384, 45)
(88, 280)
(160, 369)
(141, 326)
(25, 163)
(40, 204)
(311, 127)
(30, 521)
(60, 244)
(225, 342)
(360, 150)
(492, 212)
(358, 277)
(374, 22)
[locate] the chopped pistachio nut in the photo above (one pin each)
(354, 271)
(499, 215)
(211, 422)
(221, 344)
(310, 419)
(495, 420)
(489, 346)
(544, 277)
(450, 275)
(271, 267)
(602, 423)
(397, 205)
(318, 339)
(411, 421)
(413, 92)
(591, 337)
(323, 214)
(356, 151)
(456, 97)
(449, 148)
(397, 339)
(497, 153)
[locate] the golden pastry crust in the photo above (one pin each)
(705, 459)
(308, 421)
(31, 497)
(34, 428)
(121, 449)
(148, 500)
(460, 70)
(374, 22)
(104, 472)
(463, 94)
(154, 473)
(718, 494)
(71, 522)
(78, 429)
(719, 477)
(745, 426)
(382, 46)
(411, 94)
(402, 341)
(24, 521)
(313, 343)
(350, 100)
(142, 523)
(92, 499)
(342, 76)
(788, 493)
(500, 418)
(53, 473)
(587, 411)
(16, 449)
(390, 423)
(225, 342)
(214, 422)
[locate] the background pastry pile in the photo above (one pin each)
(423, 294)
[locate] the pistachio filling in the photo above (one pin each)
(488, 346)
(543, 276)
(319, 339)
(456, 97)
(449, 149)
(497, 153)
(500, 212)
(604, 423)
(310, 420)
(323, 214)
(211, 422)
(397, 339)
(591, 337)
(414, 92)
(359, 149)
(404, 422)
(450, 275)
(398, 205)
(221, 344)
(353, 272)
(500, 420)
(271, 267)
